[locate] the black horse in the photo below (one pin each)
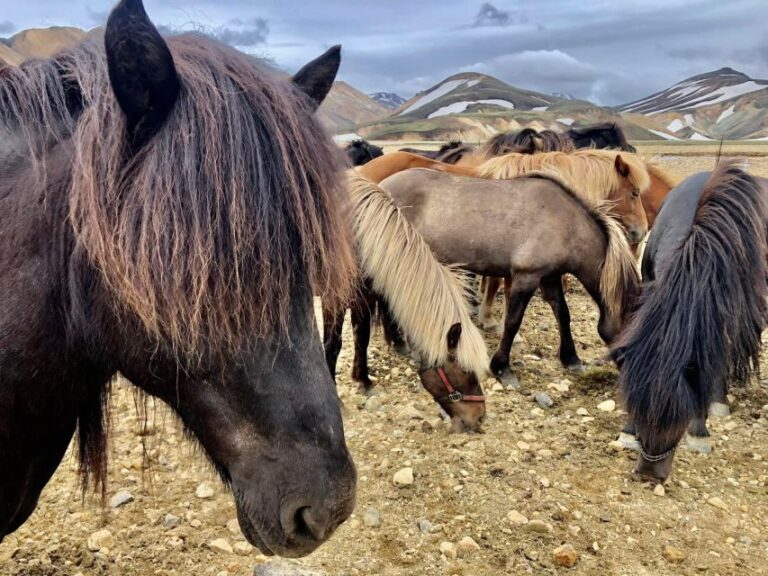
(167, 210)
(450, 152)
(361, 152)
(702, 312)
(605, 135)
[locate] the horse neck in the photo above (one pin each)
(654, 197)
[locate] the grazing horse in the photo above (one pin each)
(532, 230)
(168, 212)
(361, 152)
(427, 301)
(702, 313)
(605, 135)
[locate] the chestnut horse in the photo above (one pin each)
(529, 229)
(167, 210)
(702, 314)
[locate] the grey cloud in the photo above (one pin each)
(489, 15)
(6, 26)
(247, 33)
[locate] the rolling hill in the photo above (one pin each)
(724, 103)
(346, 107)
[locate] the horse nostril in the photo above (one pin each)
(311, 525)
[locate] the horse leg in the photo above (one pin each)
(392, 333)
(521, 289)
(552, 291)
(333, 325)
(487, 321)
(361, 326)
(698, 438)
(719, 408)
(628, 436)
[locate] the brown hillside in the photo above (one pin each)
(45, 42)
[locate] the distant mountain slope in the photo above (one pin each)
(345, 107)
(8, 56)
(388, 99)
(472, 92)
(45, 42)
(724, 103)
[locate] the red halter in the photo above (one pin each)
(453, 394)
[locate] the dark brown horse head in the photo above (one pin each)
(178, 236)
(458, 392)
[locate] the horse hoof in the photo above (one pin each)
(401, 348)
(629, 441)
(719, 410)
(508, 379)
(700, 444)
(576, 368)
(415, 356)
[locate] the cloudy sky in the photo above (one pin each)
(607, 51)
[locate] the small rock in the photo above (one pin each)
(373, 403)
(448, 549)
(467, 546)
(242, 548)
(403, 477)
(659, 490)
(221, 545)
(497, 387)
(582, 412)
(234, 527)
(539, 526)
(516, 518)
(524, 446)
(562, 386)
(717, 503)
(607, 406)
(204, 491)
(171, 521)
(283, 568)
(543, 400)
(197, 524)
(100, 540)
(372, 517)
(565, 556)
(411, 413)
(672, 554)
(544, 482)
(616, 446)
(425, 525)
(120, 499)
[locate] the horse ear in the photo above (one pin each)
(316, 78)
(141, 69)
(454, 333)
(621, 166)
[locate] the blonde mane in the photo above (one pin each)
(655, 170)
(590, 173)
(426, 297)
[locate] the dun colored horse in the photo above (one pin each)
(530, 229)
(427, 300)
(702, 314)
(167, 210)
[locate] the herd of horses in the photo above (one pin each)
(170, 207)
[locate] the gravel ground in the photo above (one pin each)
(539, 488)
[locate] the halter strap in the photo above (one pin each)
(453, 394)
(653, 458)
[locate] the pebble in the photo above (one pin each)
(283, 568)
(672, 554)
(448, 549)
(120, 499)
(373, 403)
(234, 527)
(516, 518)
(524, 446)
(539, 526)
(171, 521)
(562, 386)
(582, 412)
(403, 477)
(717, 503)
(100, 540)
(372, 517)
(221, 545)
(659, 490)
(616, 446)
(543, 399)
(411, 413)
(425, 526)
(565, 556)
(607, 406)
(204, 491)
(497, 387)
(242, 548)
(467, 546)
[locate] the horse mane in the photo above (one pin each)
(426, 297)
(451, 145)
(552, 141)
(612, 127)
(656, 170)
(207, 231)
(505, 142)
(619, 274)
(590, 172)
(704, 312)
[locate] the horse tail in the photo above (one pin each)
(425, 297)
(700, 321)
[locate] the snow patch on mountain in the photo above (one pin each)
(459, 107)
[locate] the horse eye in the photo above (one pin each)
(635, 193)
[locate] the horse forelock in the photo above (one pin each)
(236, 201)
